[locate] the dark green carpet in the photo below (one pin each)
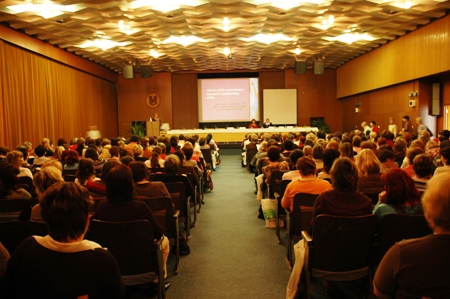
(232, 254)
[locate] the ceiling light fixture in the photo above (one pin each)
(168, 5)
(154, 53)
(268, 38)
(125, 28)
(183, 40)
(297, 51)
(103, 43)
(284, 4)
(226, 24)
(350, 38)
(46, 9)
(328, 22)
(227, 51)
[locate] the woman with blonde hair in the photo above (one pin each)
(16, 159)
(369, 172)
(43, 179)
(392, 127)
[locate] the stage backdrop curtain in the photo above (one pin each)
(41, 98)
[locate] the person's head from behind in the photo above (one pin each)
(344, 175)
(288, 145)
(188, 151)
(172, 165)
(386, 155)
(273, 153)
(91, 153)
(119, 184)
(295, 155)
(180, 155)
(329, 156)
(114, 152)
(107, 167)
(356, 141)
(400, 188)
(140, 171)
(53, 163)
(8, 178)
(65, 209)
(400, 145)
(72, 158)
(318, 151)
(412, 153)
(202, 141)
(126, 160)
(307, 150)
(367, 162)
(306, 166)
(423, 166)
(445, 155)
(346, 150)
(436, 203)
(85, 170)
(15, 158)
(40, 151)
(45, 178)
(134, 138)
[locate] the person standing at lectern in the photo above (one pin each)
(267, 123)
(253, 125)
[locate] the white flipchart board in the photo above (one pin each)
(280, 106)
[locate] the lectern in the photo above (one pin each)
(153, 128)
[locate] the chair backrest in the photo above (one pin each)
(12, 233)
(207, 155)
(283, 186)
(396, 227)
(275, 182)
(251, 152)
(177, 192)
(302, 212)
(69, 177)
(26, 182)
(69, 171)
(342, 243)
(162, 209)
(10, 209)
(130, 243)
(37, 228)
(157, 170)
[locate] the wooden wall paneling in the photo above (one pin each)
(316, 97)
(2, 98)
(269, 80)
(185, 101)
(132, 95)
(418, 54)
(425, 98)
(57, 54)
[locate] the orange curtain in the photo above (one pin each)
(43, 98)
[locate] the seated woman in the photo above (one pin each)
(308, 183)
(99, 187)
(423, 171)
(138, 152)
(418, 268)
(329, 156)
(344, 199)
(39, 267)
(142, 185)
(172, 166)
(86, 172)
(92, 153)
(346, 150)
(401, 195)
(155, 161)
(72, 160)
(369, 172)
(317, 155)
(44, 179)
(293, 174)
(273, 153)
(253, 125)
(16, 159)
(8, 183)
(120, 206)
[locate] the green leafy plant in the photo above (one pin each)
(321, 125)
(136, 128)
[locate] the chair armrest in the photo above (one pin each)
(306, 236)
(176, 213)
(158, 242)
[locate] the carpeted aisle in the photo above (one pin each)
(232, 254)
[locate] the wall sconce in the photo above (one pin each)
(356, 110)
(413, 94)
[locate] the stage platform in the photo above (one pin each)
(233, 135)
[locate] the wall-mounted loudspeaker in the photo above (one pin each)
(300, 67)
(128, 71)
(412, 103)
(436, 99)
(146, 71)
(318, 67)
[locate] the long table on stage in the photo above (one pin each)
(237, 135)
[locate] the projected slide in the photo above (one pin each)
(224, 100)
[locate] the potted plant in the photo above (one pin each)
(320, 124)
(136, 128)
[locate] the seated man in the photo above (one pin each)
(63, 264)
(40, 152)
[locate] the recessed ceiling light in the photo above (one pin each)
(268, 38)
(183, 40)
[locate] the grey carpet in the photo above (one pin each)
(232, 255)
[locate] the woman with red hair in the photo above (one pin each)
(400, 196)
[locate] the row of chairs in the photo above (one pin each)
(340, 248)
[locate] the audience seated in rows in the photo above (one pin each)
(120, 206)
(16, 159)
(418, 268)
(63, 264)
(142, 185)
(9, 181)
